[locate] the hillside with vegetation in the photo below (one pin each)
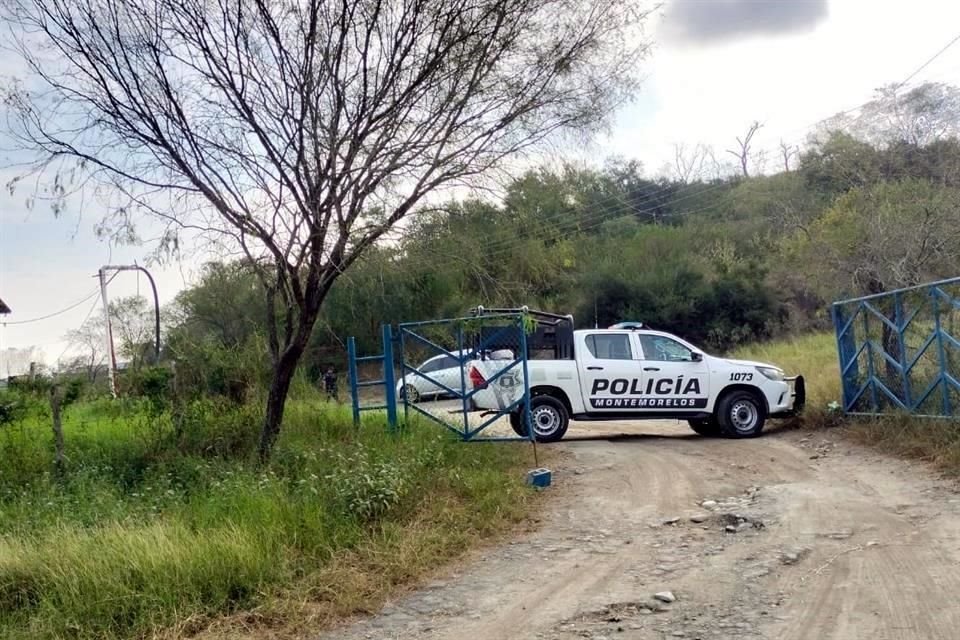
(723, 262)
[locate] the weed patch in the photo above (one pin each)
(164, 525)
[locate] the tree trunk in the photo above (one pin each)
(55, 401)
(283, 372)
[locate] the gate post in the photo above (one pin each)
(389, 382)
(847, 351)
(941, 355)
(527, 419)
(352, 369)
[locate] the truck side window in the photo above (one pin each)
(664, 349)
(609, 346)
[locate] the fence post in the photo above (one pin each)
(871, 371)
(389, 384)
(352, 369)
(901, 337)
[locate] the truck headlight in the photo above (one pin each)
(771, 373)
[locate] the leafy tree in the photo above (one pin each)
(884, 236)
(300, 132)
(132, 321)
(919, 116)
(224, 306)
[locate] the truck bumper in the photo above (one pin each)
(797, 390)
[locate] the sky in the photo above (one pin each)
(715, 67)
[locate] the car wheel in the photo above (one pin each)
(708, 427)
(741, 414)
(410, 393)
(549, 417)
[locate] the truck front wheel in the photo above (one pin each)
(741, 414)
(706, 426)
(549, 417)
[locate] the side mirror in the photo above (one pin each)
(696, 356)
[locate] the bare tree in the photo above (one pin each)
(742, 152)
(688, 164)
(89, 337)
(300, 131)
(787, 152)
(922, 115)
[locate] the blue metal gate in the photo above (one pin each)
(899, 351)
(437, 381)
(386, 380)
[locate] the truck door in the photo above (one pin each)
(610, 371)
(675, 381)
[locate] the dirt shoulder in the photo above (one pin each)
(792, 535)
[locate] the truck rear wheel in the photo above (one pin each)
(708, 427)
(549, 417)
(741, 414)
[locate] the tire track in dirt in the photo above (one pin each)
(874, 572)
(874, 547)
(652, 484)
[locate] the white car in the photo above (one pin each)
(637, 374)
(444, 369)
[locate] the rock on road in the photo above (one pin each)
(653, 532)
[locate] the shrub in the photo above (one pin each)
(12, 408)
(17, 405)
(152, 383)
(367, 489)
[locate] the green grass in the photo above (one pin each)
(815, 356)
(155, 531)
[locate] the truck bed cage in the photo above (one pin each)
(545, 317)
(552, 339)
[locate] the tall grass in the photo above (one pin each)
(166, 522)
(815, 356)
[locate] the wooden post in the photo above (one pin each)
(55, 404)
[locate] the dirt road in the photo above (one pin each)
(789, 536)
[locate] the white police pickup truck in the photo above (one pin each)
(633, 373)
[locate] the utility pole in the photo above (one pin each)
(112, 362)
(106, 312)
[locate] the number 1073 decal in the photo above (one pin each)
(741, 377)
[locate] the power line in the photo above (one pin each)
(598, 214)
(55, 313)
(929, 61)
(85, 318)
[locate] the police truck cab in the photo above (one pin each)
(630, 372)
